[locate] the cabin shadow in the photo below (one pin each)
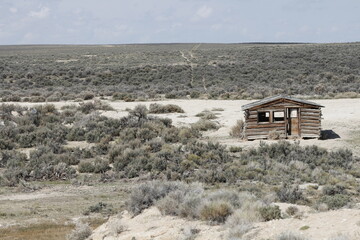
(328, 134)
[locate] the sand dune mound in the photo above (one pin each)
(314, 226)
(152, 225)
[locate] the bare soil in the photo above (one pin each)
(152, 225)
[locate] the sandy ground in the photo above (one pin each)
(321, 226)
(152, 225)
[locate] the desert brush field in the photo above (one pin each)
(85, 178)
(144, 142)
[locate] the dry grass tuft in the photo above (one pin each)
(238, 130)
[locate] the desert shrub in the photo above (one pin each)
(216, 211)
(11, 98)
(274, 135)
(249, 210)
(289, 194)
(123, 96)
(99, 207)
(170, 95)
(171, 198)
(270, 212)
(187, 134)
(81, 232)
(146, 194)
(314, 156)
(101, 165)
(243, 219)
(292, 210)
(69, 107)
(217, 109)
(238, 130)
(289, 236)
(88, 95)
(89, 107)
(333, 189)
(195, 94)
(155, 145)
(342, 158)
(15, 163)
(130, 157)
(235, 149)
(170, 204)
(76, 134)
(322, 207)
(156, 108)
(205, 125)
(227, 196)
(43, 135)
(206, 114)
(190, 207)
(6, 144)
(96, 128)
(37, 99)
(140, 112)
(11, 158)
(44, 164)
(86, 167)
(335, 201)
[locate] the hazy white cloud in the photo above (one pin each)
(29, 37)
(13, 10)
(42, 13)
(121, 21)
(204, 12)
(217, 26)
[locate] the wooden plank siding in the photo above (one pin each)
(309, 119)
(310, 125)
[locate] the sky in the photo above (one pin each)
(174, 21)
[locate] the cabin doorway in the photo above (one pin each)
(292, 121)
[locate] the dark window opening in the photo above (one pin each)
(279, 116)
(264, 116)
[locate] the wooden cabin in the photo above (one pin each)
(285, 116)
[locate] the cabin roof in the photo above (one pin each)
(274, 98)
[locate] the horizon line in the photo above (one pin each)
(175, 43)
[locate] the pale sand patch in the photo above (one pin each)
(27, 151)
(79, 144)
(32, 196)
(322, 226)
(66, 60)
(152, 225)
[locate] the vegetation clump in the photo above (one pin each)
(81, 232)
(270, 212)
(238, 130)
(168, 108)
